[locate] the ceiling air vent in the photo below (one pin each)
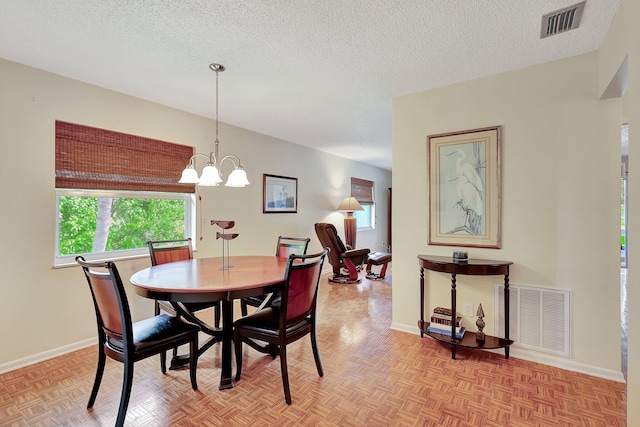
(561, 20)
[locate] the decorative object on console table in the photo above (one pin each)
(460, 256)
(480, 336)
(446, 331)
(445, 320)
(443, 311)
(441, 323)
(226, 238)
(349, 205)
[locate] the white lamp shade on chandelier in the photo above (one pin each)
(211, 176)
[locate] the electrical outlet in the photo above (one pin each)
(468, 310)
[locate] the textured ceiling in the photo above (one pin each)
(318, 73)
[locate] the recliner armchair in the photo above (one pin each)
(340, 257)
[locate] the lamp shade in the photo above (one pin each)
(350, 204)
(189, 176)
(210, 176)
(237, 178)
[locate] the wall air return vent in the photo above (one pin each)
(561, 20)
(539, 318)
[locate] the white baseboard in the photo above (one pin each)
(50, 354)
(405, 328)
(532, 356)
(568, 364)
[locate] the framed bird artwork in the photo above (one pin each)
(464, 188)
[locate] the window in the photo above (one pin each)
(363, 191)
(366, 217)
(117, 224)
(115, 191)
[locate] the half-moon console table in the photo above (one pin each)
(475, 267)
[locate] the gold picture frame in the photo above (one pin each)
(465, 188)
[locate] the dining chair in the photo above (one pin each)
(291, 319)
(164, 251)
(127, 341)
(286, 246)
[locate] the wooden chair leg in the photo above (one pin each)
(243, 307)
(163, 362)
(126, 392)
(218, 313)
(237, 341)
(285, 374)
(316, 353)
(102, 357)
(193, 362)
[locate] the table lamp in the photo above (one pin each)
(349, 205)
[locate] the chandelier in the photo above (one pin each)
(211, 176)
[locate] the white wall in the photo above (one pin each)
(45, 309)
(560, 198)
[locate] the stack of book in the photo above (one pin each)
(441, 323)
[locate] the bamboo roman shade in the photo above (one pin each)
(362, 190)
(91, 158)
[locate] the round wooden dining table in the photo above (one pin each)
(209, 280)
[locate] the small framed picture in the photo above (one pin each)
(464, 188)
(280, 194)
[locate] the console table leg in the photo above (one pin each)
(421, 302)
(507, 301)
(453, 314)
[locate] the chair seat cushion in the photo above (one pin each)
(267, 321)
(151, 331)
(268, 317)
(377, 258)
(354, 253)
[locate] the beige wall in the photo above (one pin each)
(560, 198)
(621, 43)
(44, 310)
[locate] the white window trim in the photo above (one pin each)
(372, 220)
(69, 260)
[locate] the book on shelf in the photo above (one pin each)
(443, 310)
(444, 327)
(445, 320)
(447, 332)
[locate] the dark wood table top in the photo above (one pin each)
(472, 266)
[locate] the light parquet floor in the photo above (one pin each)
(374, 376)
